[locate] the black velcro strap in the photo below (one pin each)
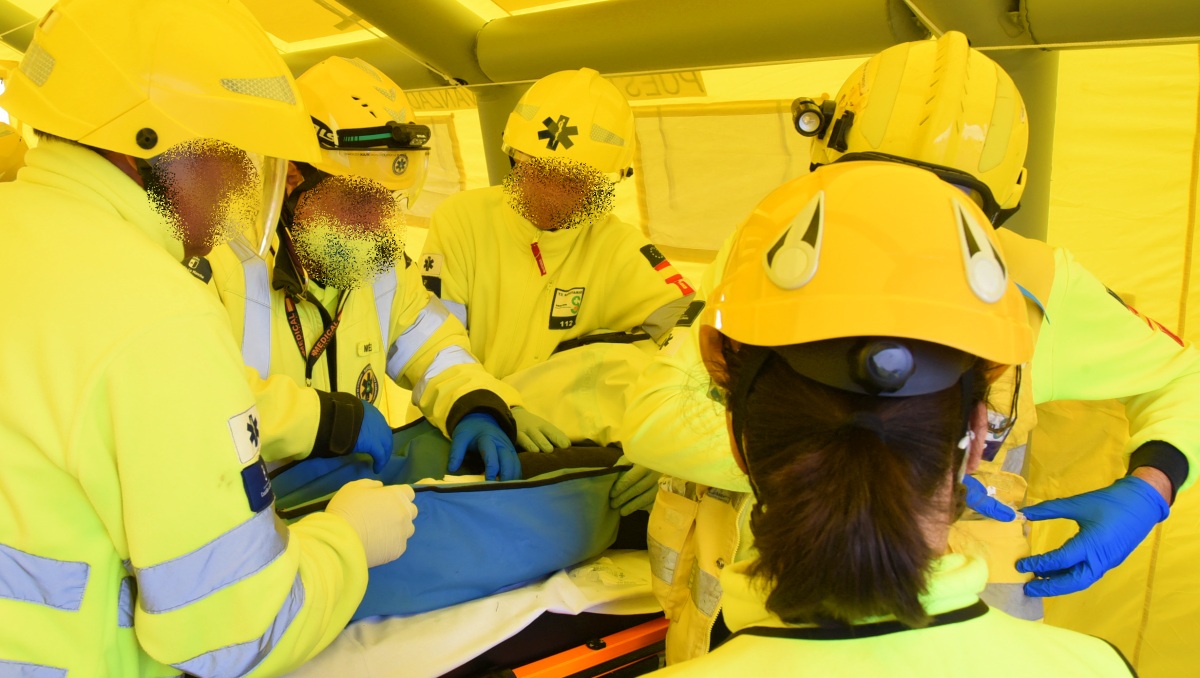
(606, 338)
(341, 419)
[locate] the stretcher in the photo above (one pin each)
(497, 575)
(615, 584)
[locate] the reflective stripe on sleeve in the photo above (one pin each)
(662, 560)
(125, 603)
(33, 579)
(256, 328)
(230, 558)
(240, 659)
(385, 294)
(706, 590)
(457, 310)
(9, 669)
(427, 322)
(660, 322)
(445, 359)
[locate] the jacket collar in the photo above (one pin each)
(88, 176)
(955, 582)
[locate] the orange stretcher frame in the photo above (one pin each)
(598, 658)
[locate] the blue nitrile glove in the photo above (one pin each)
(374, 437)
(986, 506)
(635, 488)
(480, 432)
(1112, 522)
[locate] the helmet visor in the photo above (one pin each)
(209, 191)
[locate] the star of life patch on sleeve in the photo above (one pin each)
(431, 265)
(246, 437)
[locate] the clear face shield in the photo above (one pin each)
(209, 191)
(555, 194)
(346, 230)
(401, 172)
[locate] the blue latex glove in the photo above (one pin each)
(374, 437)
(1112, 522)
(635, 489)
(481, 433)
(981, 503)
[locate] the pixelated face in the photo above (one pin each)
(554, 194)
(347, 230)
(207, 190)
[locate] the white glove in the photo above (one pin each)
(535, 434)
(382, 517)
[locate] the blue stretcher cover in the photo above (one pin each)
(471, 540)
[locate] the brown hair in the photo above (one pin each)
(846, 483)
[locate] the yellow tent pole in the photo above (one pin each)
(1035, 73)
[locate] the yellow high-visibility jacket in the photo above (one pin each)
(393, 337)
(1090, 346)
(522, 292)
(137, 530)
(966, 638)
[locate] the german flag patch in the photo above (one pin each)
(670, 275)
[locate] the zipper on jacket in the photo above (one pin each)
(737, 544)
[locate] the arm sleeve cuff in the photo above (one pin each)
(341, 418)
(1166, 458)
(486, 402)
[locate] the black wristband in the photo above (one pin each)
(1166, 458)
(341, 418)
(484, 402)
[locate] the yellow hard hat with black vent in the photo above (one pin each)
(917, 260)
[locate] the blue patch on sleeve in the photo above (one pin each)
(258, 486)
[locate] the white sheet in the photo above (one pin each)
(430, 644)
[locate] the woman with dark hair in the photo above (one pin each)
(864, 311)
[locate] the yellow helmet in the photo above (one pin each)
(573, 115)
(141, 76)
(916, 260)
(12, 151)
(365, 125)
(938, 104)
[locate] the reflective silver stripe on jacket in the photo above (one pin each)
(662, 560)
(666, 316)
(240, 659)
(10, 669)
(445, 359)
(427, 322)
(706, 590)
(385, 293)
(256, 328)
(33, 579)
(125, 603)
(457, 310)
(230, 558)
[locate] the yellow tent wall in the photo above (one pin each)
(1123, 199)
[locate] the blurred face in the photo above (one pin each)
(207, 190)
(556, 194)
(347, 230)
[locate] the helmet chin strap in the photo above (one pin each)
(312, 177)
